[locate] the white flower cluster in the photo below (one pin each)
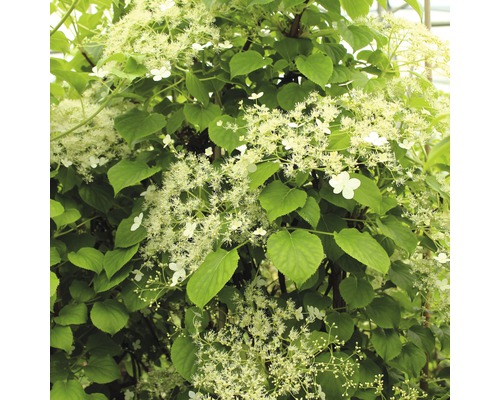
(261, 356)
(198, 206)
(93, 144)
(162, 32)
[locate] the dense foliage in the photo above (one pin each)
(249, 200)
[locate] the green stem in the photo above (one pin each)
(76, 227)
(64, 18)
(102, 106)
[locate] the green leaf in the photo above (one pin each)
(211, 276)
(385, 312)
(69, 216)
(224, 136)
(200, 116)
(422, 337)
(402, 235)
(197, 88)
(415, 4)
(357, 36)
(109, 316)
(67, 390)
(137, 124)
(56, 208)
(102, 283)
(184, 358)
(80, 291)
(326, 192)
(439, 154)
(54, 283)
(400, 274)
(387, 343)
(356, 8)
(102, 369)
(72, 314)
(368, 193)
(87, 258)
(78, 80)
(115, 259)
(174, 121)
(278, 199)
(291, 3)
(331, 223)
(340, 325)
(61, 337)
(263, 173)
(55, 258)
(291, 94)
(316, 67)
(383, 3)
(245, 62)
(411, 360)
(127, 173)
(126, 238)
(337, 386)
(310, 212)
(364, 248)
(196, 320)
(59, 42)
(357, 292)
(97, 195)
(297, 254)
(101, 344)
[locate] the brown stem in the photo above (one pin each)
(295, 28)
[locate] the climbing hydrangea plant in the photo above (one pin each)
(249, 200)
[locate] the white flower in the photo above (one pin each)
(265, 32)
(137, 275)
(199, 47)
(242, 148)
(209, 152)
(259, 232)
(99, 72)
(345, 184)
(128, 395)
(66, 162)
(137, 222)
(150, 189)
(137, 344)
(323, 126)
(162, 73)
(167, 5)
(315, 313)
(179, 273)
(236, 224)
(443, 284)
(293, 125)
(226, 45)
(298, 314)
(287, 144)
(219, 123)
(251, 168)
(189, 230)
(167, 141)
(406, 144)
(375, 139)
(94, 161)
(442, 258)
(255, 96)
(195, 396)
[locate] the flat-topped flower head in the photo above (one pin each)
(343, 183)
(375, 139)
(137, 222)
